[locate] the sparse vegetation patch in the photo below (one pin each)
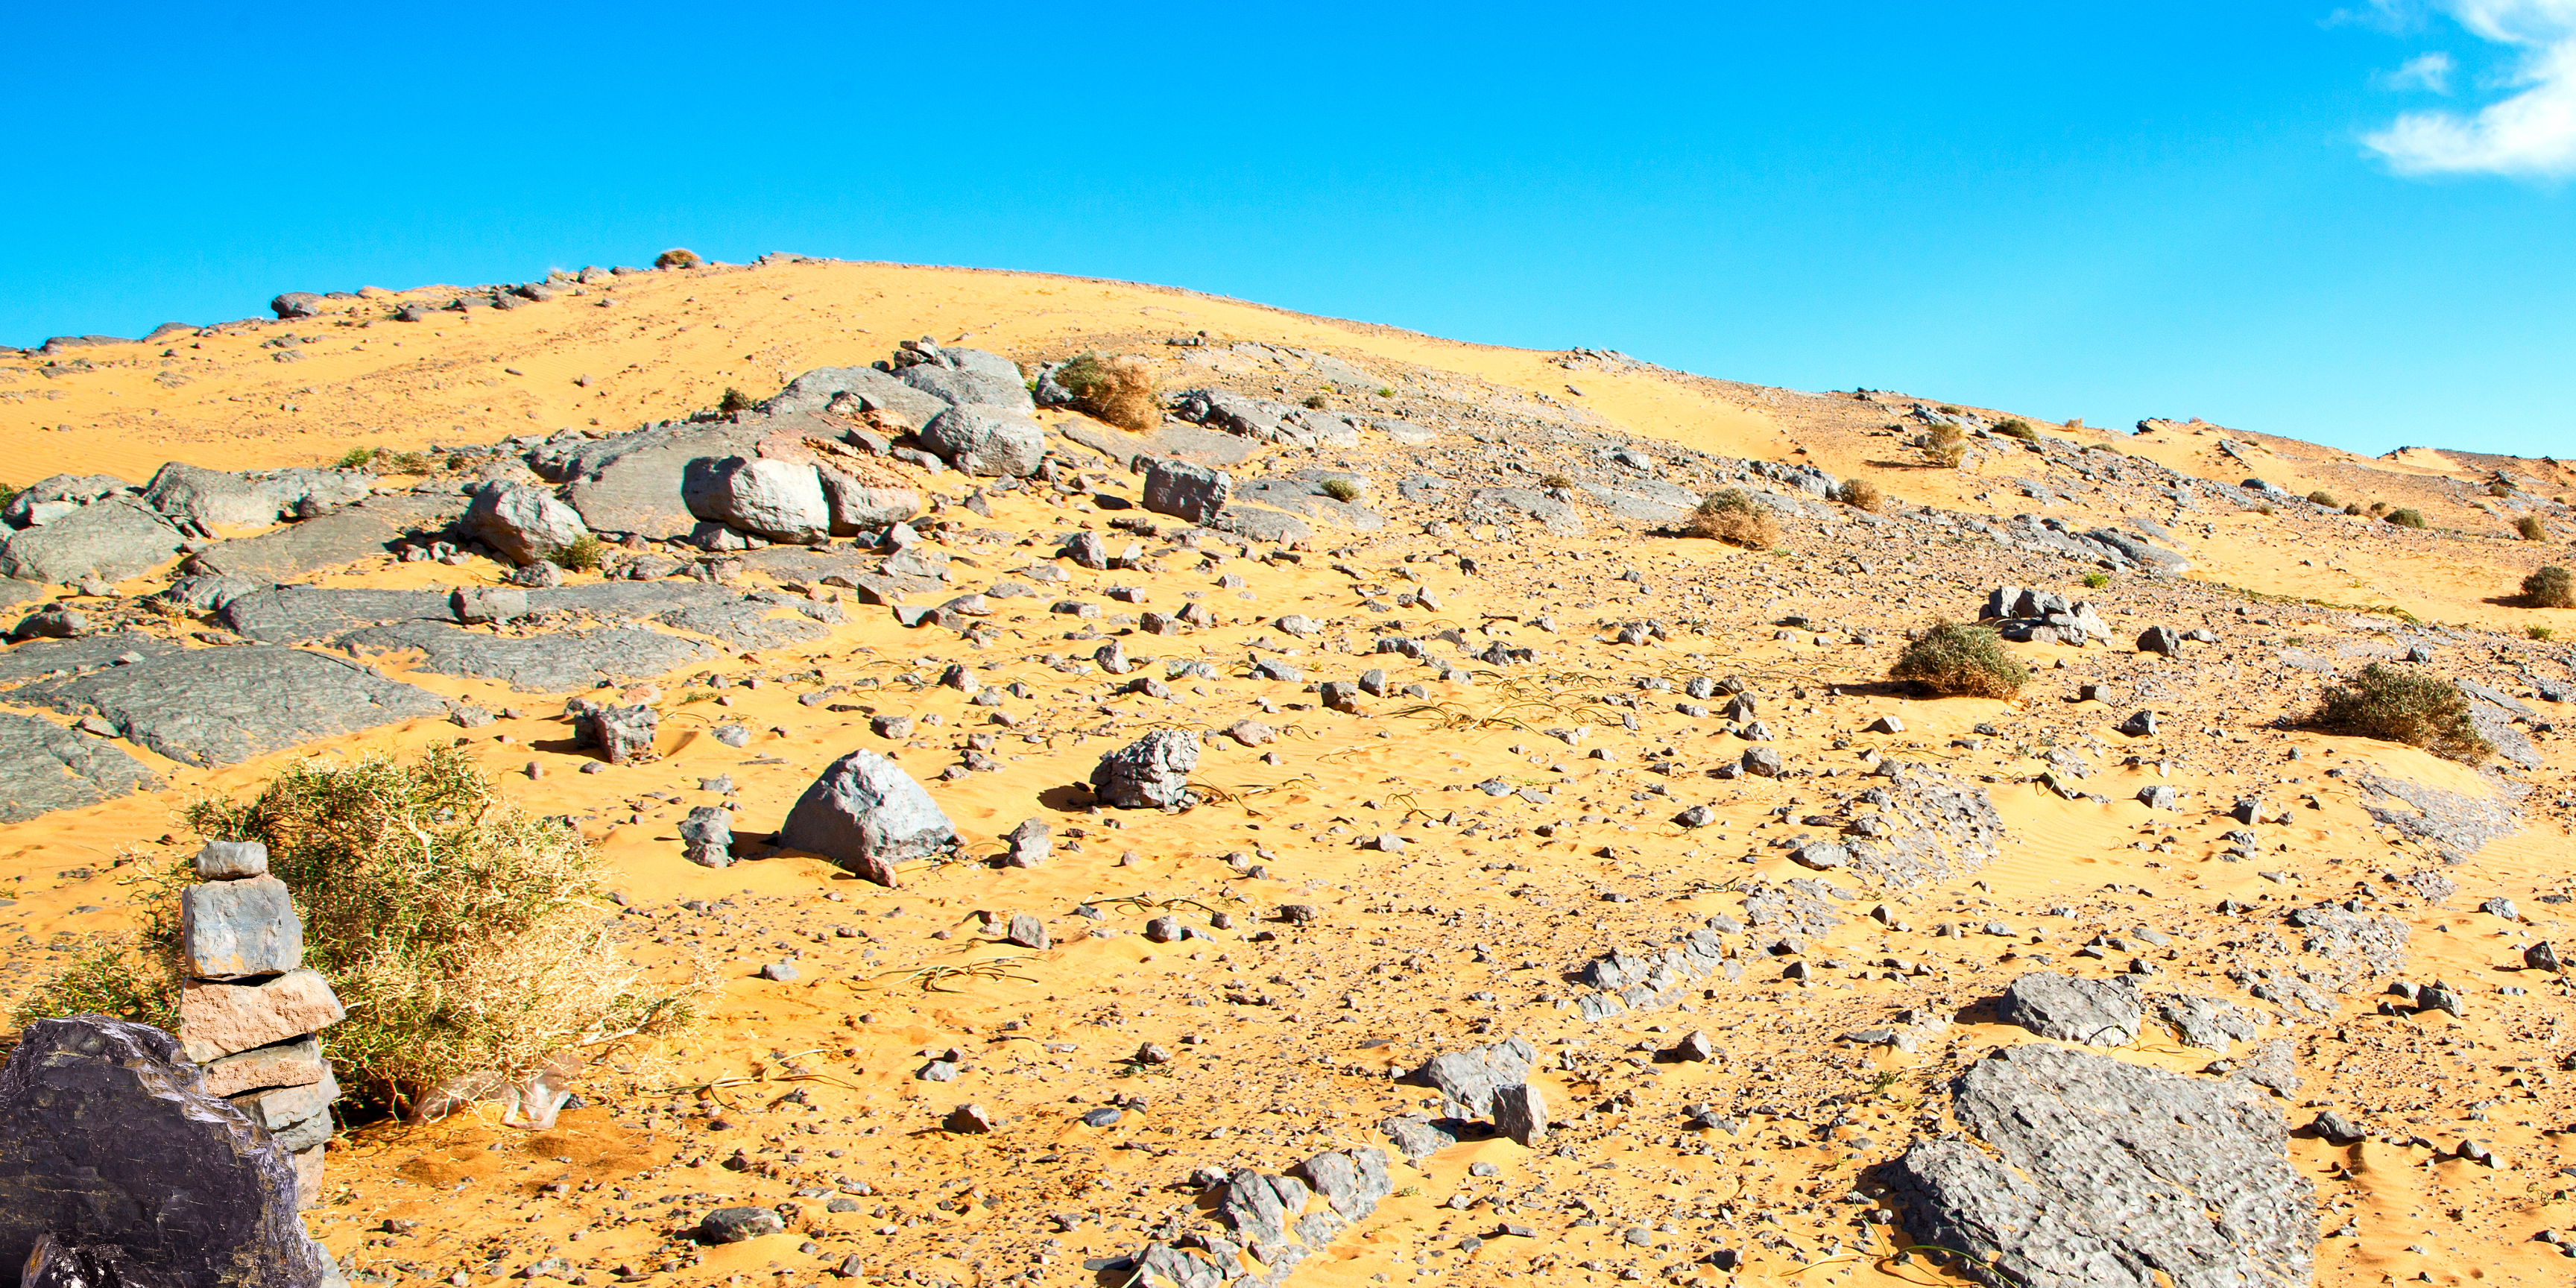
(2395, 704)
(1955, 659)
(1735, 518)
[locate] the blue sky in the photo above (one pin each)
(2350, 225)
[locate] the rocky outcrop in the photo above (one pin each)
(2083, 1171)
(112, 538)
(542, 663)
(221, 706)
(521, 523)
(45, 767)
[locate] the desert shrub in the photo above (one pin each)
(735, 400)
(2530, 528)
(2541, 633)
(1735, 518)
(1118, 391)
(1317, 401)
(2016, 427)
(1861, 494)
(583, 554)
(1944, 445)
(2499, 488)
(2324, 498)
(463, 932)
(2405, 516)
(2353, 509)
(2378, 508)
(677, 257)
(1341, 489)
(2394, 704)
(1951, 658)
(1386, 391)
(2096, 580)
(1556, 480)
(2550, 587)
(8, 492)
(356, 458)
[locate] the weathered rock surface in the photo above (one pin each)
(2103, 1173)
(748, 624)
(540, 663)
(1467, 1080)
(874, 389)
(778, 499)
(217, 1020)
(302, 614)
(213, 498)
(1194, 493)
(2096, 1012)
(45, 767)
(37, 658)
(367, 529)
(639, 483)
(107, 1140)
(112, 538)
(232, 929)
(867, 815)
(986, 441)
(1152, 772)
(221, 706)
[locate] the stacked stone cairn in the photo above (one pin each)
(249, 1010)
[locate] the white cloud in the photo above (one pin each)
(2424, 71)
(2531, 134)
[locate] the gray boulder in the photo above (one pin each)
(780, 500)
(112, 538)
(961, 377)
(2096, 1012)
(1520, 1113)
(108, 1142)
(706, 836)
(2103, 1174)
(1467, 1080)
(211, 497)
(45, 767)
(235, 929)
(30, 505)
(522, 524)
(1152, 772)
(644, 482)
(1191, 492)
(352, 532)
(986, 441)
(866, 815)
(296, 304)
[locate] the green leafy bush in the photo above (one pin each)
(584, 553)
(735, 400)
(2394, 704)
(1952, 658)
(356, 458)
(1341, 489)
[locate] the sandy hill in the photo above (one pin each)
(1508, 795)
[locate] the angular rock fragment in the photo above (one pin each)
(2069, 1009)
(867, 815)
(1152, 772)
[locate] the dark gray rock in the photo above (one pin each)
(1417, 1137)
(1259, 524)
(296, 304)
(986, 441)
(623, 734)
(736, 1224)
(206, 592)
(112, 538)
(476, 605)
(2207, 1022)
(220, 706)
(866, 815)
(1152, 772)
(108, 1141)
(971, 377)
(2160, 639)
(1945, 827)
(2095, 1012)
(1468, 1079)
(1030, 844)
(45, 767)
(521, 523)
(2104, 1174)
(1194, 493)
(642, 483)
(541, 663)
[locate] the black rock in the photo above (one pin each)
(108, 1146)
(735, 1224)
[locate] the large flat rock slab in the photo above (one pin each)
(303, 614)
(114, 537)
(344, 536)
(560, 663)
(2097, 1173)
(36, 659)
(613, 601)
(221, 706)
(45, 767)
(750, 624)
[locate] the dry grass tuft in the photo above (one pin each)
(1735, 518)
(2551, 587)
(2406, 517)
(677, 257)
(1118, 391)
(1954, 659)
(1943, 445)
(1861, 494)
(583, 554)
(2394, 704)
(2530, 528)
